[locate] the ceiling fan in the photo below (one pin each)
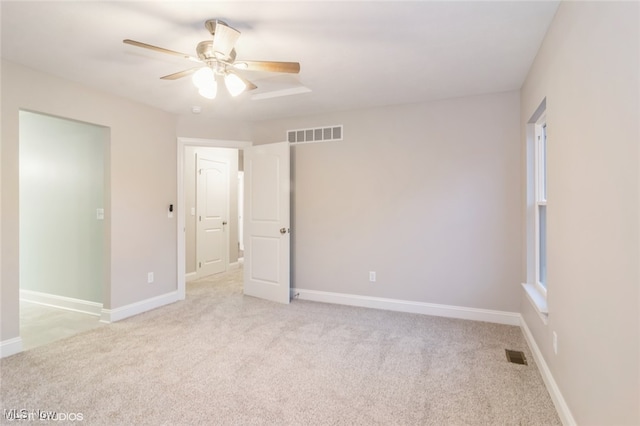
(218, 60)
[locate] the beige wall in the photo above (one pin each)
(587, 68)
(204, 127)
(141, 171)
(426, 195)
(231, 155)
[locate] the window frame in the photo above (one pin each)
(540, 203)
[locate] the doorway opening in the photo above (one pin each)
(212, 225)
(266, 269)
(63, 255)
(202, 166)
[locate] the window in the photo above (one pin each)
(536, 211)
(540, 191)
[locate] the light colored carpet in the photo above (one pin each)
(223, 358)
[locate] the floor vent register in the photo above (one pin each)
(516, 357)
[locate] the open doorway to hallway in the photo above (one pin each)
(184, 211)
(213, 210)
(62, 226)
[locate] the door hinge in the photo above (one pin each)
(200, 218)
(199, 264)
(199, 171)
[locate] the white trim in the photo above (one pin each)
(475, 314)
(556, 396)
(181, 227)
(10, 347)
(191, 276)
(538, 301)
(117, 314)
(61, 302)
(234, 265)
(241, 209)
(214, 143)
(540, 197)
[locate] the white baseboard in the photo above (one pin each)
(10, 347)
(500, 317)
(233, 266)
(61, 302)
(117, 314)
(556, 396)
(191, 276)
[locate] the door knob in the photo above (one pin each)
(224, 223)
(283, 230)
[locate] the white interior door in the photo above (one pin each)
(266, 225)
(212, 210)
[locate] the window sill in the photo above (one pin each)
(538, 301)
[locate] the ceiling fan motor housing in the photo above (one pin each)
(206, 53)
(212, 23)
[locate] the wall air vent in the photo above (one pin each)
(318, 134)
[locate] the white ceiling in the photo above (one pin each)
(353, 54)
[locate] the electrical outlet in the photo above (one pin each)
(150, 277)
(555, 343)
(372, 276)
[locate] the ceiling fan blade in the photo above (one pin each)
(160, 49)
(250, 85)
(269, 66)
(224, 39)
(180, 74)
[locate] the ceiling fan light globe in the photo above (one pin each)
(204, 78)
(209, 92)
(234, 84)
